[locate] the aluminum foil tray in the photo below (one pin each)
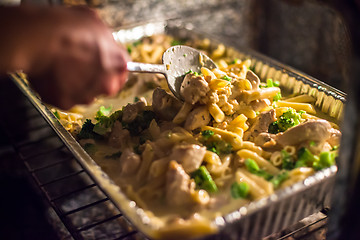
(258, 219)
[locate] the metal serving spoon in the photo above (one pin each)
(177, 61)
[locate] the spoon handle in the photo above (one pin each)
(145, 67)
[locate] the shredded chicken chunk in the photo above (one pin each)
(129, 162)
(179, 186)
(194, 89)
(165, 105)
(261, 125)
(197, 118)
(310, 130)
(190, 156)
(119, 137)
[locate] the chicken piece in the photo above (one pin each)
(131, 111)
(335, 137)
(260, 104)
(189, 156)
(197, 118)
(263, 138)
(129, 162)
(179, 186)
(194, 89)
(165, 105)
(310, 130)
(261, 125)
(253, 78)
(119, 137)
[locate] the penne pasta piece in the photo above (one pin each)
(212, 158)
(252, 147)
(207, 72)
(254, 189)
(216, 112)
(296, 175)
(263, 163)
(234, 139)
(261, 182)
(218, 84)
(290, 150)
(298, 106)
(183, 113)
(301, 99)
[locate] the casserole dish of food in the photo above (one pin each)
(247, 152)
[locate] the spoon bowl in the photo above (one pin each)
(176, 62)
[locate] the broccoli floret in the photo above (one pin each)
(105, 123)
(87, 131)
(287, 161)
(287, 120)
(219, 147)
(103, 111)
(140, 123)
(206, 134)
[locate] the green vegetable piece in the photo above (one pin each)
(269, 82)
(103, 111)
(287, 120)
(278, 179)
(261, 173)
(176, 42)
(236, 60)
(274, 128)
(287, 160)
(326, 160)
(305, 156)
(312, 144)
(277, 97)
(251, 165)
(136, 43)
(239, 190)
(87, 132)
(100, 129)
(219, 147)
(128, 48)
(141, 122)
(300, 163)
(136, 99)
(192, 72)
(254, 168)
(227, 78)
(207, 134)
(90, 148)
(57, 115)
(204, 180)
(335, 148)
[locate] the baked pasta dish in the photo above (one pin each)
(233, 139)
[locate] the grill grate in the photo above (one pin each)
(80, 205)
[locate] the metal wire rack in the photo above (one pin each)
(81, 208)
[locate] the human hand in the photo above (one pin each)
(71, 56)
